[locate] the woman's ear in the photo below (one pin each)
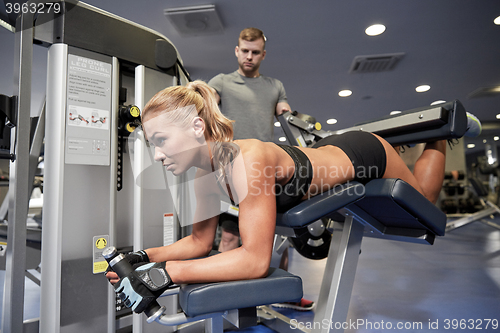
(199, 127)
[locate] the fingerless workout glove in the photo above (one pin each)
(134, 258)
(144, 285)
(137, 257)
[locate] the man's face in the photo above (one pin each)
(250, 55)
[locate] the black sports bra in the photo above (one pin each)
(296, 188)
(291, 193)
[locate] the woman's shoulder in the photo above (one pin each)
(256, 149)
(258, 155)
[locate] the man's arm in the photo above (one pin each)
(282, 107)
(217, 97)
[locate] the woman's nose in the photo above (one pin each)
(159, 156)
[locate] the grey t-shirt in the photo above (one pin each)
(250, 102)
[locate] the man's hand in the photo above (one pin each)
(282, 107)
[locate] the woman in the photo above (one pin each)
(187, 129)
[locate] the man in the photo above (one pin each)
(246, 96)
(252, 100)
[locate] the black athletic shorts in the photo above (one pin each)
(365, 151)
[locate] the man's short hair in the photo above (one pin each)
(252, 34)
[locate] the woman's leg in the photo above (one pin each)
(428, 171)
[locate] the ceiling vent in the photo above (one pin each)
(195, 20)
(375, 63)
(485, 92)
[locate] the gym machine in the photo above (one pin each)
(99, 67)
(443, 121)
(430, 123)
(486, 196)
(382, 208)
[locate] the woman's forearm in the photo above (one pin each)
(237, 264)
(185, 248)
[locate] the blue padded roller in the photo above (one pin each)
(279, 286)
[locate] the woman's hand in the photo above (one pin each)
(112, 277)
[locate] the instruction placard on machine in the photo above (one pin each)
(99, 244)
(88, 111)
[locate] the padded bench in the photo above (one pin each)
(214, 302)
(385, 208)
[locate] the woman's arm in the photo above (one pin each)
(197, 244)
(200, 242)
(257, 225)
(205, 219)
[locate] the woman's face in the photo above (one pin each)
(177, 147)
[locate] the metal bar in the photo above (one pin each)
(470, 218)
(278, 322)
(338, 279)
(50, 295)
(36, 147)
(292, 133)
(214, 325)
(140, 77)
(491, 224)
(492, 205)
(115, 82)
(413, 120)
(15, 263)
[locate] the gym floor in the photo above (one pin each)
(453, 285)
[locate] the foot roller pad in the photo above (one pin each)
(279, 286)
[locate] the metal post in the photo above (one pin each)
(113, 184)
(50, 293)
(338, 279)
(15, 266)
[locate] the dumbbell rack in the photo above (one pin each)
(454, 193)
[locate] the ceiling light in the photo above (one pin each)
(277, 124)
(497, 20)
(484, 141)
(498, 116)
(471, 145)
(438, 102)
(345, 93)
(423, 88)
(394, 112)
(282, 139)
(331, 121)
(496, 138)
(375, 29)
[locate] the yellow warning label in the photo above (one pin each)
(101, 243)
(135, 112)
(100, 266)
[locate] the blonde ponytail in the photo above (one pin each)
(202, 96)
